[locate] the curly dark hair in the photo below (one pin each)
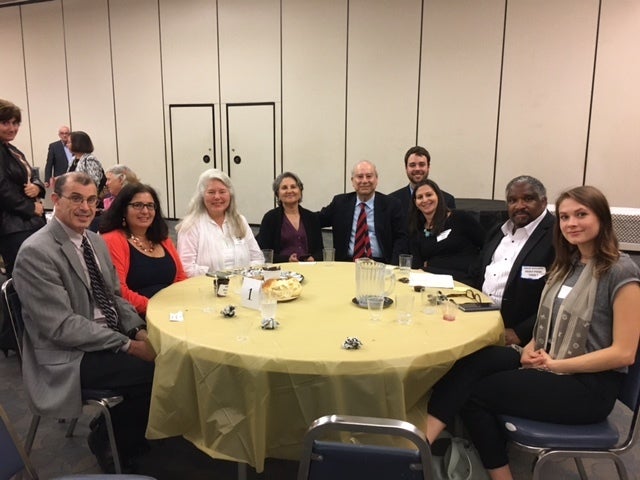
(112, 218)
(416, 217)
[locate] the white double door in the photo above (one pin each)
(242, 143)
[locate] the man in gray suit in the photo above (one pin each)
(59, 156)
(70, 341)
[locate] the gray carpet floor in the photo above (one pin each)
(54, 455)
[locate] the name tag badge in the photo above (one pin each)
(250, 293)
(564, 291)
(533, 273)
(443, 235)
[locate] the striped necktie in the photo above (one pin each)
(362, 245)
(100, 295)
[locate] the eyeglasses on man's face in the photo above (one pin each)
(78, 199)
(139, 206)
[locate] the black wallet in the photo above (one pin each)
(478, 307)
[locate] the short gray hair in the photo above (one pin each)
(353, 169)
(124, 173)
(536, 184)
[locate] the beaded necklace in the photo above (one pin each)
(138, 244)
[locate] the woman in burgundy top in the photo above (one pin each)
(291, 231)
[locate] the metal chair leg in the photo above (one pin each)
(242, 471)
(104, 408)
(31, 435)
(71, 427)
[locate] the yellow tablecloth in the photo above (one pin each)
(241, 393)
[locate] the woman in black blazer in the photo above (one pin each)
(21, 209)
(291, 231)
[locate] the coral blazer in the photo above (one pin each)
(118, 245)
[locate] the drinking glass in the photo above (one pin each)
(404, 262)
(449, 310)
(375, 306)
(268, 306)
(328, 255)
(404, 306)
(268, 256)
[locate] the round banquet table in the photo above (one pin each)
(241, 393)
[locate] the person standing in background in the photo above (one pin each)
(59, 157)
(21, 211)
(81, 146)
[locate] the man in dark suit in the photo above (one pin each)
(417, 162)
(79, 331)
(58, 157)
(516, 258)
(386, 228)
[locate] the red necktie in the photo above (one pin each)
(362, 245)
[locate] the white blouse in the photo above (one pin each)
(207, 246)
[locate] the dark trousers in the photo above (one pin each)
(131, 378)
(490, 382)
(9, 246)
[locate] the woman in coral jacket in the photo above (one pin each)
(138, 239)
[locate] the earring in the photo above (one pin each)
(124, 222)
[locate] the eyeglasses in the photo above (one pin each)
(76, 199)
(139, 206)
(470, 294)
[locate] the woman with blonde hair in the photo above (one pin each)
(213, 235)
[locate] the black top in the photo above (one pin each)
(148, 275)
(451, 252)
(270, 236)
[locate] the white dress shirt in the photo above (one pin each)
(207, 246)
(497, 272)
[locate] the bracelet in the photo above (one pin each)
(132, 333)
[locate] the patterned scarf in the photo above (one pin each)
(573, 321)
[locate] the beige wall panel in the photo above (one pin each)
(548, 65)
(382, 90)
(459, 91)
(189, 51)
(46, 74)
(138, 89)
(86, 24)
(249, 50)
(614, 142)
(314, 38)
(13, 86)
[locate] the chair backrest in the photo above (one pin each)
(14, 308)
(630, 396)
(341, 461)
(14, 459)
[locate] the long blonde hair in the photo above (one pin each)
(197, 208)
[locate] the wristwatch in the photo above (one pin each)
(132, 333)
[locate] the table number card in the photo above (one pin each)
(250, 293)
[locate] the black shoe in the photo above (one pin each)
(99, 446)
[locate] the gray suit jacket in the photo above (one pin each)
(57, 309)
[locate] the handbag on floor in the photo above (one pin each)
(460, 461)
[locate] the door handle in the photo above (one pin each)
(237, 160)
(206, 159)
